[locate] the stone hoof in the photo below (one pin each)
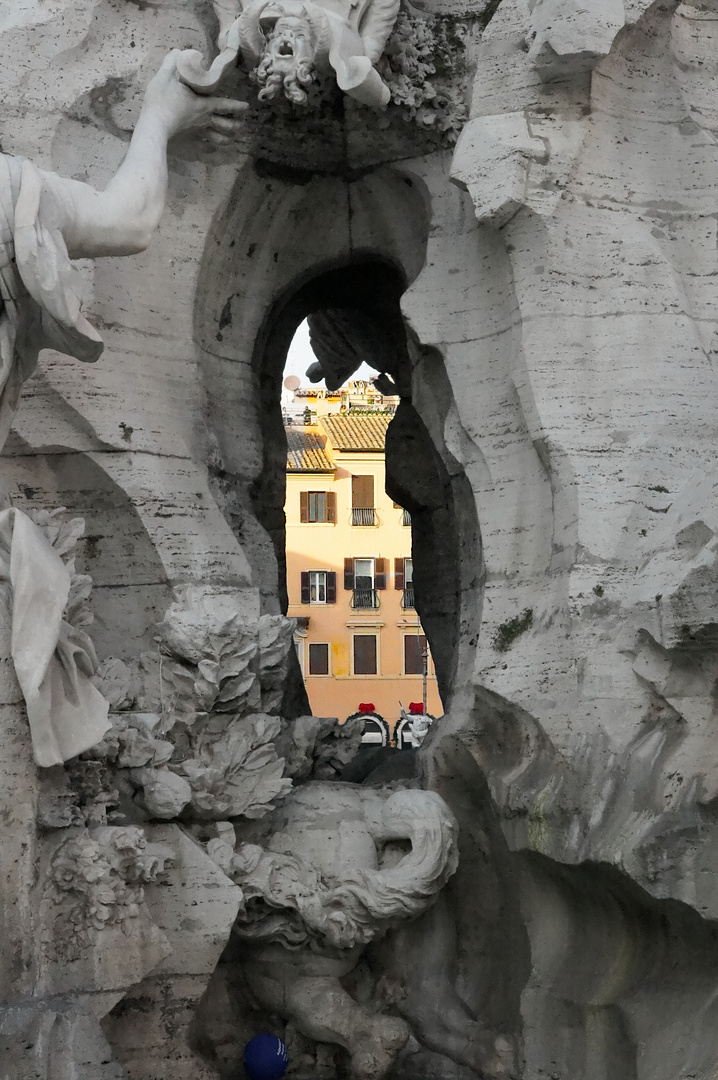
(492, 1056)
(374, 1049)
(501, 1064)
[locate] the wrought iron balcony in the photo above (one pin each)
(365, 598)
(364, 515)
(407, 600)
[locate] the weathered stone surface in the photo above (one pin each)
(556, 449)
(55, 1045)
(195, 908)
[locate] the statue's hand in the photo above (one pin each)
(180, 109)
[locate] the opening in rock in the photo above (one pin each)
(371, 560)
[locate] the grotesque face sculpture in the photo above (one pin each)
(288, 60)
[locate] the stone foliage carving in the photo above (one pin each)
(213, 750)
(335, 874)
(98, 883)
(238, 774)
(212, 652)
(424, 66)
(274, 643)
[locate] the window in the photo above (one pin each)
(317, 506)
(299, 649)
(363, 512)
(319, 587)
(365, 654)
(364, 577)
(319, 658)
(414, 646)
(404, 580)
(363, 573)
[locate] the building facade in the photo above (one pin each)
(349, 573)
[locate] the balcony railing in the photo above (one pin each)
(364, 515)
(365, 598)
(405, 517)
(407, 600)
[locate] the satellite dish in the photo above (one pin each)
(292, 382)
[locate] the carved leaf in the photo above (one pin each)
(238, 774)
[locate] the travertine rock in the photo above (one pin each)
(195, 908)
(547, 293)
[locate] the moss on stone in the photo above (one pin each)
(508, 631)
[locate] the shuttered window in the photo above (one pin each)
(331, 587)
(362, 492)
(318, 587)
(380, 573)
(364, 574)
(414, 654)
(403, 573)
(318, 658)
(365, 654)
(317, 506)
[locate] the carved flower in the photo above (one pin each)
(99, 883)
(423, 54)
(276, 643)
(215, 652)
(238, 774)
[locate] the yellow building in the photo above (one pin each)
(349, 572)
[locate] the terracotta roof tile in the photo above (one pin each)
(356, 431)
(306, 453)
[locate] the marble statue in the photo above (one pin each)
(47, 220)
(289, 42)
(419, 729)
(334, 876)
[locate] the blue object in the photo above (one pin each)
(265, 1058)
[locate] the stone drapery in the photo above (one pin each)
(53, 660)
(39, 287)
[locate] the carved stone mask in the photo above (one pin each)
(291, 40)
(287, 62)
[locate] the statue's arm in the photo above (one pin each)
(121, 219)
(376, 25)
